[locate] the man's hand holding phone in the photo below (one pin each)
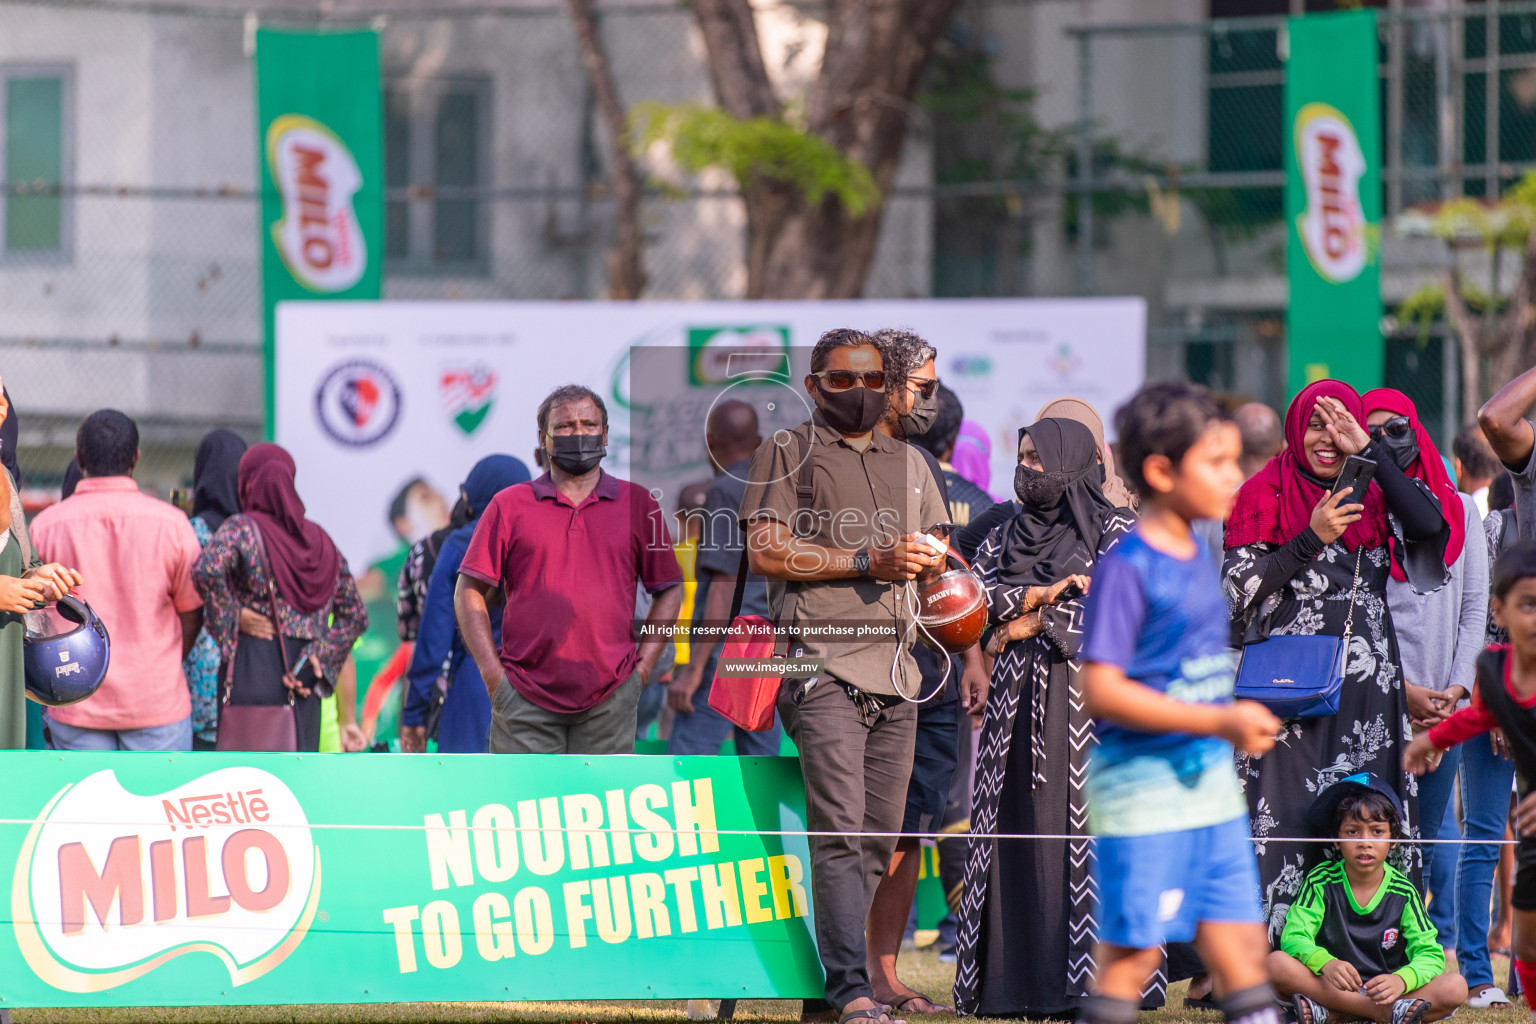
(903, 559)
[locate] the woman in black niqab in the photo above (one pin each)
(1049, 541)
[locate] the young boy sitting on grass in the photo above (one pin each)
(1357, 943)
(1504, 697)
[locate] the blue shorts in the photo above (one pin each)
(1157, 888)
(934, 759)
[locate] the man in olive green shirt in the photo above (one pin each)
(849, 552)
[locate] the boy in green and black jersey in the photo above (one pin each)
(1357, 942)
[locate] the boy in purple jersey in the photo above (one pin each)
(1173, 859)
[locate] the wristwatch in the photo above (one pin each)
(861, 561)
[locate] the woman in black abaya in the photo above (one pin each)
(1025, 944)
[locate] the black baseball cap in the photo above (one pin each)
(1320, 814)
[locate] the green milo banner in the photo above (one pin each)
(1333, 199)
(190, 879)
(320, 144)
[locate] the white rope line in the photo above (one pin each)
(605, 830)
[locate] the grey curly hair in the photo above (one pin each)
(904, 351)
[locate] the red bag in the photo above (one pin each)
(747, 701)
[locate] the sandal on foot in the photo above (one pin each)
(1409, 1011)
(1308, 1011)
(878, 1014)
(1490, 996)
(909, 998)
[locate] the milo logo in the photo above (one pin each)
(110, 884)
(1331, 164)
(318, 235)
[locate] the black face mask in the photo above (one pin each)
(920, 419)
(852, 412)
(577, 453)
(1404, 450)
(1037, 489)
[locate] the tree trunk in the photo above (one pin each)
(1517, 331)
(808, 251)
(861, 103)
(625, 259)
(1469, 333)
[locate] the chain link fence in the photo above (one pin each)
(1044, 158)
(1183, 170)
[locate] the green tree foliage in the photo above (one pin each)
(962, 91)
(1468, 224)
(1491, 325)
(754, 149)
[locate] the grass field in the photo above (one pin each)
(920, 968)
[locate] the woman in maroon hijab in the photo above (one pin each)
(267, 555)
(1294, 553)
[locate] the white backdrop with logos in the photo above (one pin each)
(372, 394)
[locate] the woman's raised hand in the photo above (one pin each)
(1330, 518)
(1343, 428)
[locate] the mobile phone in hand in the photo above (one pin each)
(304, 671)
(1355, 477)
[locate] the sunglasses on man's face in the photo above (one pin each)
(924, 386)
(842, 380)
(1398, 427)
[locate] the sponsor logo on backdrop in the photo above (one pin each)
(468, 395)
(1332, 227)
(110, 885)
(318, 237)
(719, 355)
(358, 403)
(970, 366)
(1065, 362)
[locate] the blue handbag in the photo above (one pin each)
(1298, 676)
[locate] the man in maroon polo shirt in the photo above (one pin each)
(567, 552)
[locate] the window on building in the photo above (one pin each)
(1260, 8)
(436, 145)
(1512, 38)
(1245, 108)
(35, 157)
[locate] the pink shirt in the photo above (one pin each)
(136, 554)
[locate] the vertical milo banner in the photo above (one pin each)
(252, 879)
(1333, 199)
(320, 122)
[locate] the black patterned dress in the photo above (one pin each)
(1027, 928)
(1303, 589)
